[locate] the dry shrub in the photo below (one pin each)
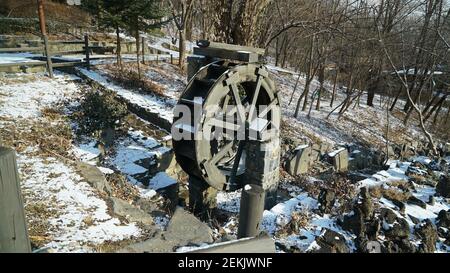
(299, 220)
(128, 77)
(391, 193)
(121, 188)
(52, 138)
(100, 110)
(38, 215)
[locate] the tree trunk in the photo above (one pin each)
(438, 104)
(119, 48)
(371, 93)
(181, 49)
(437, 113)
(396, 99)
(333, 96)
(138, 53)
(295, 87)
(321, 80)
(430, 103)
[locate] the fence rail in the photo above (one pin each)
(21, 49)
(87, 49)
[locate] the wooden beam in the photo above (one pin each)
(37, 63)
(66, 64)
(243, 56)
(259, 51)
(21, 49)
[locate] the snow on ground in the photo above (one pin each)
(81, 217)
(26, 99)
(12, 58)
(78, 217)
(166, 76)
(161, 180)
(134, 154)
(86, 152)
(149, 102)
(396, 172)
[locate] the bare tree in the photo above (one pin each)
(182, 16)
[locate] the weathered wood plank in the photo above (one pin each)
(259, 51)
(35, 63)
(66, 64)
(243, 56)
(21, 49)
(13, 228)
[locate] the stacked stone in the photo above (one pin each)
(263, 167)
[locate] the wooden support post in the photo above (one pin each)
(202, 197)
(157, 59)
(251, 211)
(171, 59)
(48, 56)
(86, 49)
(13, 228)
(143, 50)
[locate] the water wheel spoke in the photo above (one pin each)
(254, 99)
(222, 153)
(220, 123)
(239, 106)
(237, 160)
(269, 107)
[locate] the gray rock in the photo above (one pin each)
(443, 219)
(188, 229)
(401, 206)
(354, 223)
(332, 242)
(183, 229)
(443, 187)
(388, 215)
(94, 177)
(366, 246)
(399, 246)
(431, 200)
(130, 212)
(427, 232)
(416, 201)
(398, 231)
(365, 204)
(299, 162)
(340, 160)
(372, 229)
(326, 200)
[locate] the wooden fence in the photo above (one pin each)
(50, 61)
(45, 50)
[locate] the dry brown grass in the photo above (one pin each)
(52, 138)
(299, 220)
(37, 216)
(121, 188)
(129, 78)
(391, 193)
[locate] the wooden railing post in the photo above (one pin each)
(171, 59)
(86, 49)
(143, 50)
(48, 56)
(13, 227)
